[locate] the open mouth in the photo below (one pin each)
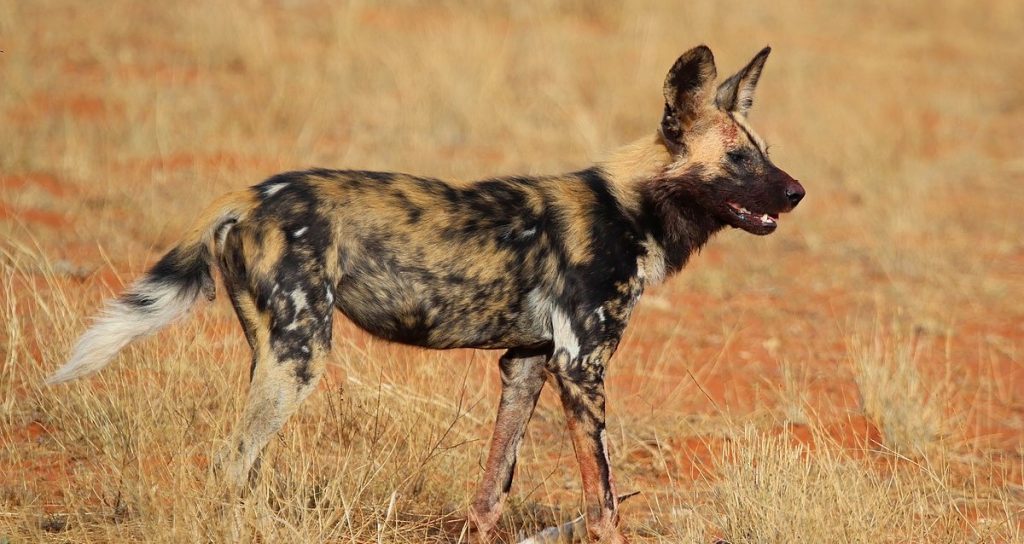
(753, 222)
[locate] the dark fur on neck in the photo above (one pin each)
(675, 218)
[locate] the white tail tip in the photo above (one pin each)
(123, 321)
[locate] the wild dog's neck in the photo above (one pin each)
(657, 193)
(633, 164)
(674, 221)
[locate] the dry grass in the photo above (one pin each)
(893, 391)
(773, 491)
(742, 406)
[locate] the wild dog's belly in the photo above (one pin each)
(422, 308)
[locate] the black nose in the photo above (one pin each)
(795, 193)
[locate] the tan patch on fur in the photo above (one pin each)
(332, 254)
(264, 247)
(634, 163)
(239, 202)
(741, 121)
(574, 203)
(707, 141)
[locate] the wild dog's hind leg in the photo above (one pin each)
(290, 322)
(522, 379)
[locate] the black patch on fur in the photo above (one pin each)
(185, 268)
(189, 266)
(382, 178)
(615, 244)
(508, 481)
(615, 236)
(438, 188)
(138, 301)
(685, 79)
(677, 218)
(412, 211)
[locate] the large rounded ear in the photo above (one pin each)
(736, 94)
(686, 87)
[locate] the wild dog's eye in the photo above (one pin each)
(737, 155)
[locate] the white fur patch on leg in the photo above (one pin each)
(561, 330)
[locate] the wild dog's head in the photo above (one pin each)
(720, 168)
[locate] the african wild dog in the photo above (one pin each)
(548, 268)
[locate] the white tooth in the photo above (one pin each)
(744, 210)
(765, 218)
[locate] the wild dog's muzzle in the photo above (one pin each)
(760, 214)
(793, 190)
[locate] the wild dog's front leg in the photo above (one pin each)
(581, 390)
(584, 343)
(522, 378)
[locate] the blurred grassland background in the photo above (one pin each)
(855, 377)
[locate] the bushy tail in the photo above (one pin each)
(167, 291)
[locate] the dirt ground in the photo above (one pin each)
(858, 376)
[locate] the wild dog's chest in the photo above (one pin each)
(587, 320)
